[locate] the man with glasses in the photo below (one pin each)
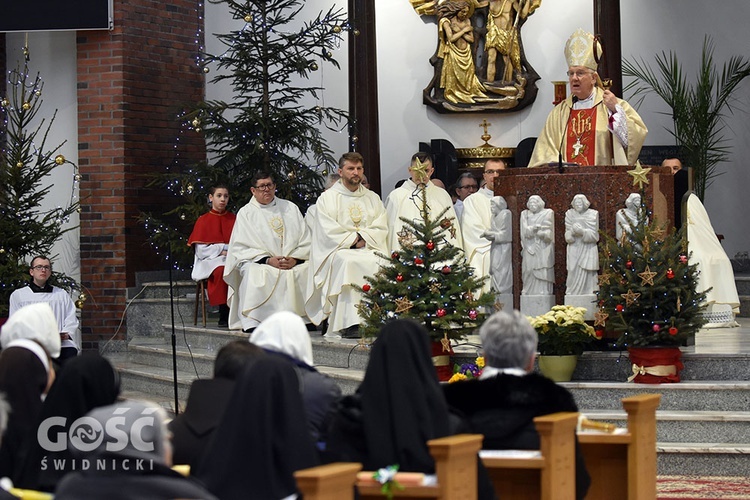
(266, 264)
(592, 126)
(476, 222)
(465, 185)
(40, 290)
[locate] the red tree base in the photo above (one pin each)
(442, 361)
(656, 365)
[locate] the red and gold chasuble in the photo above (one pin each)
(580, 144)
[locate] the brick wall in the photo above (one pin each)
(131, 82)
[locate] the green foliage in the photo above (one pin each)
(563, 331)
(697, 110)
(437, 283)
(25, 164)
(271, 122)
(664, 313)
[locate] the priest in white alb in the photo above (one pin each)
(406, 201)
(476, 223)
(592, 126)
(266, 267)
(350, 226)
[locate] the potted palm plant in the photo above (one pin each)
(697, 109)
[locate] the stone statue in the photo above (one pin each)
(501, 236)
(626, 216)
(582, 236)
(458, 77)
(538, 252)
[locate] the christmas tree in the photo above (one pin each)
(647, 289)
(25, 164)
(273, 122)
(427, 280)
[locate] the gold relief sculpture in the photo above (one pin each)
(501, 79)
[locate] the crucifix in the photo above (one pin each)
(485, 137)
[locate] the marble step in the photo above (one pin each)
(154, 381)
(689, 426)
(702, 459)
(684, 396)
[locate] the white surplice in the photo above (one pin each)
(477, 219)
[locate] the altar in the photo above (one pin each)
(606, 187)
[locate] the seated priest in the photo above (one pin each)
(592, 126)
(349, 228)
(266, 266)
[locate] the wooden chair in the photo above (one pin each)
(455, 467)
(200, 296)
(550, 476)
(623, 466)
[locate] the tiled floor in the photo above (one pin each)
(722, 340)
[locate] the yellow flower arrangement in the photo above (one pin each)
(563, 331)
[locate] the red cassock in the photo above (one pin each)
(210, 228)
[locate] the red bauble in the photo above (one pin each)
(599, 334)
(418, 261)
(430, 245)
(656, 328)
(366, 287)
(446, 269)
(440, 312)
(394, 255)
(472, 314)
(619, 308)
(673, 330)
(400, 278)
(629, 264)
(683, 259)
(670, 273)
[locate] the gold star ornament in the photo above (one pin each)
(406, 238)
(600, 318)
(639, 175)
(647, 277)
(403, 304)
(630, 297)
(420, 172)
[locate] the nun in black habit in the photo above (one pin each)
(88, 382)
(262, 439)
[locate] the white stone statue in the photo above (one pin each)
(538, 248)
(626, 215)
(582, 236)
(501, 235)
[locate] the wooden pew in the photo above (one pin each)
(455, 467)
(623, 466)
(550, 476)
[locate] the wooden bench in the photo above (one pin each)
(455, 467)
(550, 476)
(623, 466)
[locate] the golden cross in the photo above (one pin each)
(484, 125)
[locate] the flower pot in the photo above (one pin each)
(558, 368)
(442, 361)
(655, 365)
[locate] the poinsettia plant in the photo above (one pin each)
(563, 331)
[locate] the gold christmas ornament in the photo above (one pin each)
(79, 304)
(205, 69)
(356, 32)
(198, 129)
(291, 176)
(2, 250)
(639, 175)
(59, 159)
(77, 177)
(26, 105)
(196, 122)
(248, 18)
(4, 102)
(19, 164)
(337, 29)
(82, 296)
(79, 210)
(314, 66)
(38, 93)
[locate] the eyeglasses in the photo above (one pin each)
(469, 186)
(42, 268)
(265, 187)
(492, 171)
(579, 74)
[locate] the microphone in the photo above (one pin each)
(562, 141)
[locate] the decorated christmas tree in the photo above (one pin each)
(427, 280)
(273, 122)
(647, 289)
(27, 228)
